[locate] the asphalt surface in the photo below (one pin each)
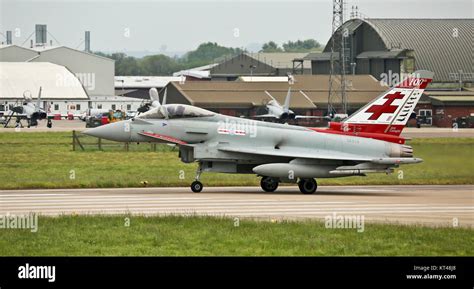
(425, 205)
(435, 132)
(58, 125)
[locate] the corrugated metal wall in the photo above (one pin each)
(320, 67)
(392, 65)
(363, 66)
(377, 67)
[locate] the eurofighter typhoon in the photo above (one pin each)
(368, 141)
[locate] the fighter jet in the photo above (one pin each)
(279, 112)
(368, 141)
(28, 110)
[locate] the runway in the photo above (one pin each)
(424, 205)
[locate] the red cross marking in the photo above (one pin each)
(387, 107)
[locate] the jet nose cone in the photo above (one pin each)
(117, 131)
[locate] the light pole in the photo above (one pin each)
(252, 67)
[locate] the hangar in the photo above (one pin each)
(62, 92)
(15, 53)
(388, 46)
(95, 72)
(62, 72)
(260, 64)
(18, 77)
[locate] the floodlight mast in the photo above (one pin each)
(337, 91)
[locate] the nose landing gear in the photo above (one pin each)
(197, 186)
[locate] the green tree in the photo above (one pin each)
(206, 53)
(126, 65)
(271, 47)
(301, 45)
(158, 65)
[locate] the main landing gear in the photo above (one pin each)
(307, 186)
(269, 184)
(197, 186)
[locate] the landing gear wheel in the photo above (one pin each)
(307, 186)
(196, 186)
(269, 184)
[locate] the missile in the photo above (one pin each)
(396, 161)
(359, 172)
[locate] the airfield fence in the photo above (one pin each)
(82, 142)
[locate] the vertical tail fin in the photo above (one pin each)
(165, 95)
(38, 101)
(286, 106)
(390, 112)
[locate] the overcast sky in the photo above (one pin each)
(175, 26)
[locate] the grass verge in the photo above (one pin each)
(211, 236)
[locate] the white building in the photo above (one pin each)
(95, 72)
(14, 53)
(62, 92)
(116, 103)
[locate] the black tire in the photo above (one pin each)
(196, 186)
(308, 186)
(269, 184)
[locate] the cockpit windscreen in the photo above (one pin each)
(176, 111)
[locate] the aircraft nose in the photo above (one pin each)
(117, 131)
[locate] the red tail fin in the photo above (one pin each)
(389, 113)
(385, 117)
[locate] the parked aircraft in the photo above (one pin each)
(154, 100)
(368, 141)
(28, 110)
(281, 112)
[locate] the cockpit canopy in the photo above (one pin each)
(273, 103)
(176, 111)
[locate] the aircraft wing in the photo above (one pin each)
(265, 115)
(295, 153)
(319, 155)
(310, 117)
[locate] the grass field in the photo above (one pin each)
(172, 235)
(46, 160)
